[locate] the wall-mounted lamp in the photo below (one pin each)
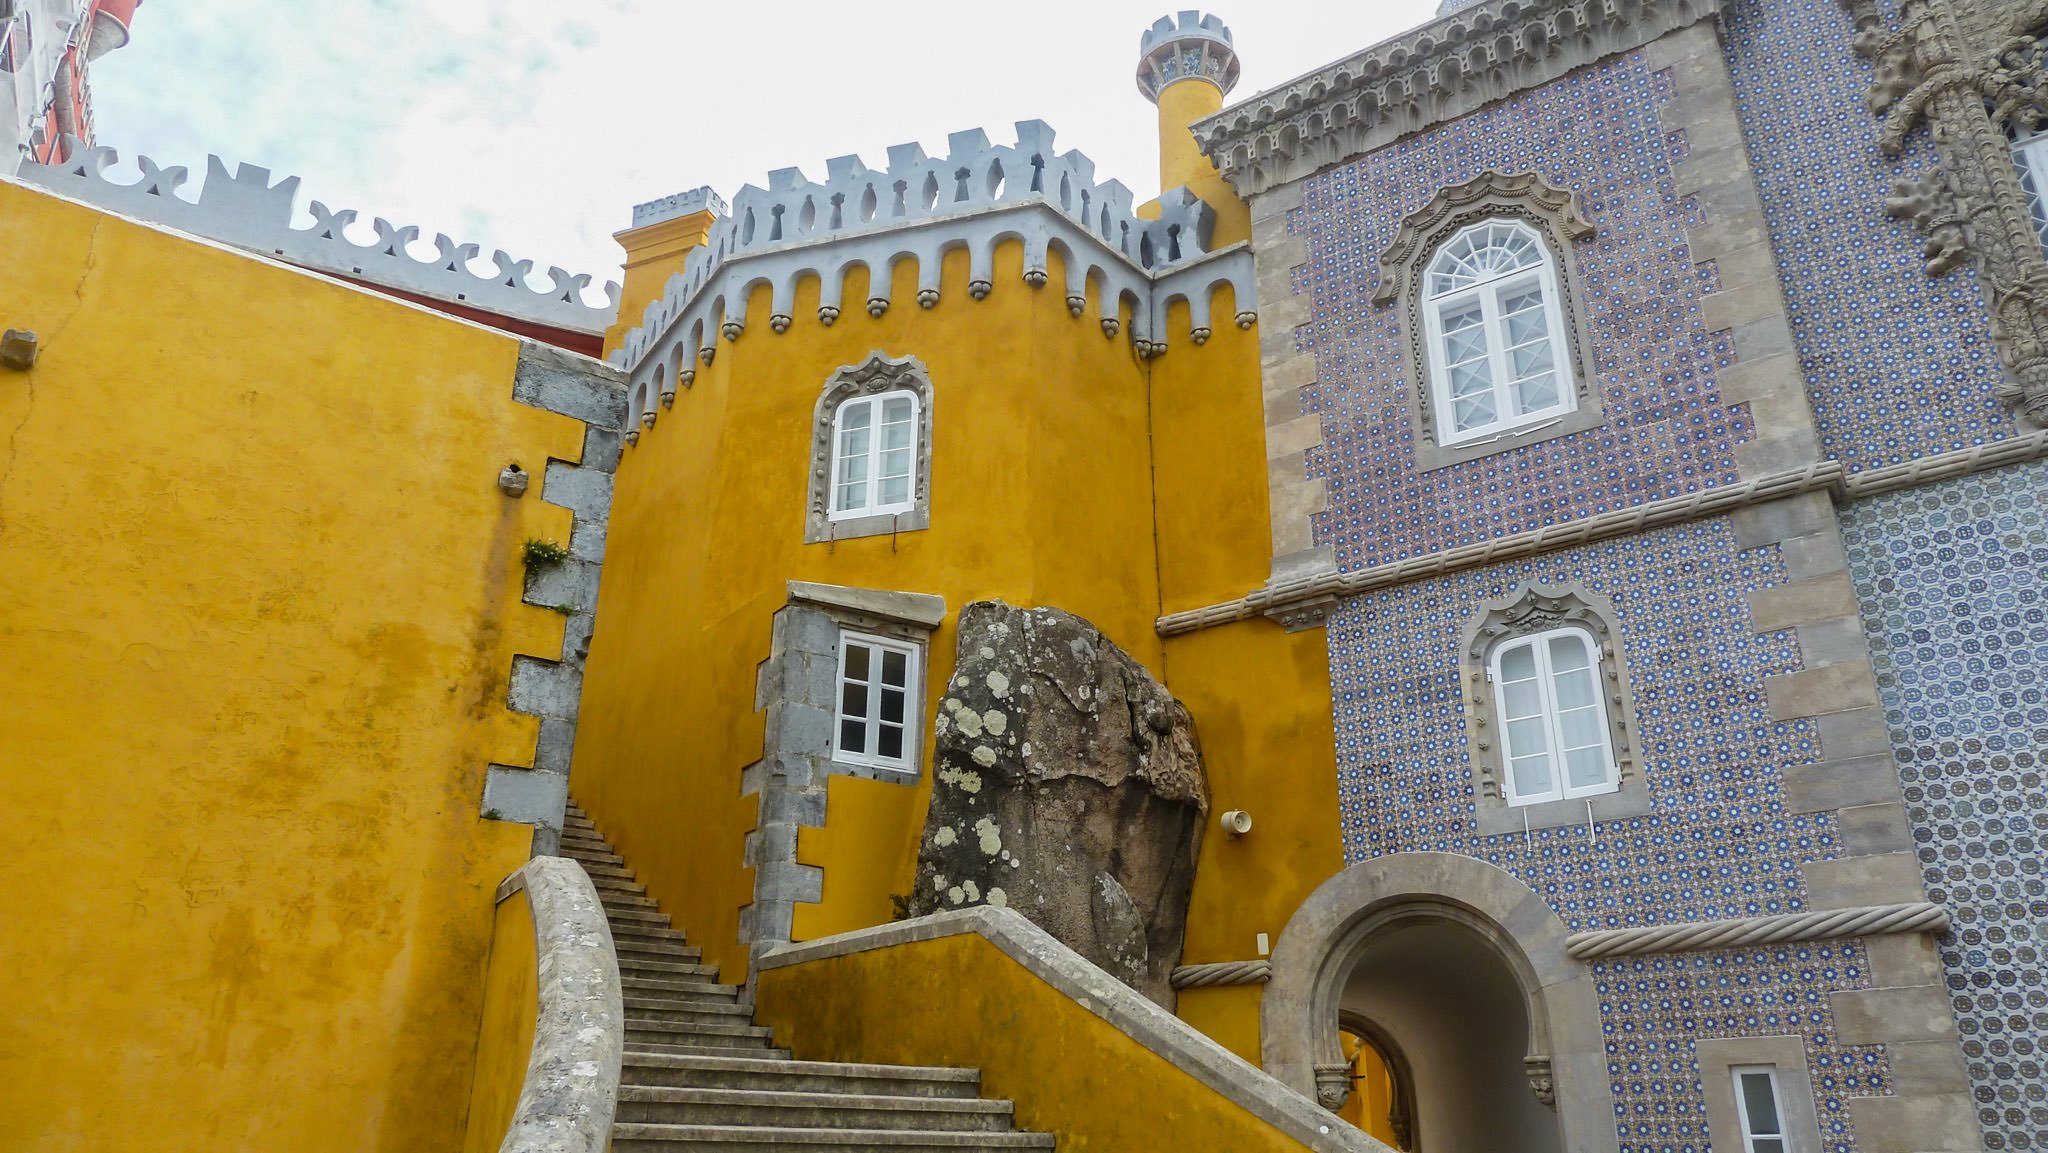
(18, 349)
(1237, 822)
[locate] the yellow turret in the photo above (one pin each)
(657, 245)
(1187, 67)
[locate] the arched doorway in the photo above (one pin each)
(1434, 986)
(1454, 975)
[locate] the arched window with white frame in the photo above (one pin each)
(874, 455)
(1495, 335)
(1549, 692)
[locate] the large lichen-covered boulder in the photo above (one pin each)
(1067, 785)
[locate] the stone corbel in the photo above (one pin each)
(1541, 1082)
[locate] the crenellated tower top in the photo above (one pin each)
(1188, 45)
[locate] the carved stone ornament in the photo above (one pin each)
(1540, 1080)
(1486, 195)
(1970, 72)
(1333, 1085)
(879, 373)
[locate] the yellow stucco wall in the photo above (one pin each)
(1041, 494)
(504, 1044)
(960, 1000)
(1181, 162)
(261, 597)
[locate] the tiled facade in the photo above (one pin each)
(1762, 748)
(1666, 429)
(1898, 365)
(1954, 583)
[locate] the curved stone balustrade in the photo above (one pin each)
(572, 1077)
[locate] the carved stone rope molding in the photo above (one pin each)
(1737, 932)
(1326, 585)
(1970, 72)
(1222, 973)
(1305, 601)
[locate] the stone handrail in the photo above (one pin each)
(572, 1076)
(1095, 992)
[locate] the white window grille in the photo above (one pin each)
(877, 694)
(1553, 717)
(874, 455)
(2030, 156)
(1758, 1105)
(1495, 327)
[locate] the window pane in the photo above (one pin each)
(895, 490)
(1585, 768)
(1759, 1104)
(892, 706)
(1568, 651)
(853, 699)
(1530, 360)
(854, 469)
(1476, 412)
(1580, 729)
(1766, 1145)
(896, 465)
(856, 414)
(1532, 776)
(896, 437)
(1536, 395)
(890, 742)
(1471, 380)
(854, 664)
(1574, 689)
(2030, 156)
(852, 496)
(895, 666)
(1520, 699)
(1518, 663)
(896, 410)
(1527, 737)
(853, 736)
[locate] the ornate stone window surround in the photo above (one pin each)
(1719, 1057)
(1530, 610)
(880, 373)
(1553, 213)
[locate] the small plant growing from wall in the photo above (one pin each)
(538, 552)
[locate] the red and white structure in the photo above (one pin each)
(46, 49)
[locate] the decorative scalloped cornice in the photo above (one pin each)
(247, 211)
(1559, 206)
(978, 196)
(1451, 66)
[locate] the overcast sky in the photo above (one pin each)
(535, 125)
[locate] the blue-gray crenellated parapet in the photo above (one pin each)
(1186, 45)
(246, 210)
(975, 197)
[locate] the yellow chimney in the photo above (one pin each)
(663, 233)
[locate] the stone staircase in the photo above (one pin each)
(699, 1075)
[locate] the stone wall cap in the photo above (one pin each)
(910, 608)
(1159, 1031)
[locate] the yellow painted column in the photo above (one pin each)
(657, 247)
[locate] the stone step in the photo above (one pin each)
(640, 931)
(631, 1137)
(664, 968)
(602, 871)
(731, 1071)
(580, 842)
(665, 1105)
(621, 899)
(641, 950)
(629, 916)
(618, 886)
(594, 858)
(636, 986)
(707, 1034)
(645, 1049)
(687, 1013)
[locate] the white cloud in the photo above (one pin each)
(535, 126)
